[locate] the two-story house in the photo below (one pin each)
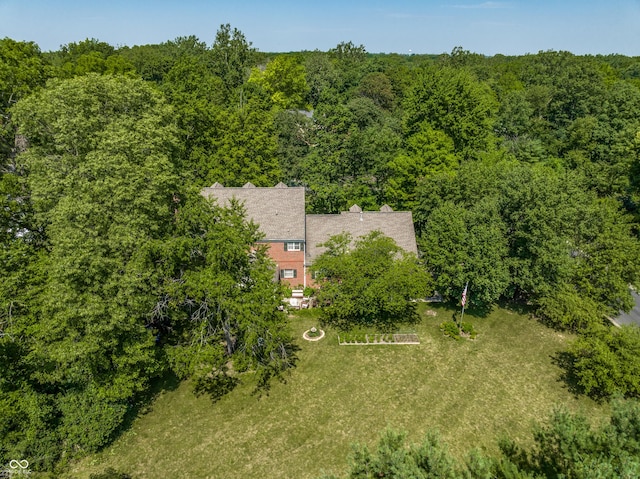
(279, 211)
(294, 238)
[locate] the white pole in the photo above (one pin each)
(464, 303)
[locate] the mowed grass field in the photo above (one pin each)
(472, 392)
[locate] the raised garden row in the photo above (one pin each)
(364, 339)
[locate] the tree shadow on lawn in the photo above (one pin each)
(216, 386)
(484, 310)
(383, 322)
(520, 307)
(566, 362)
(167, 382)
(472, 311)
(142, 404)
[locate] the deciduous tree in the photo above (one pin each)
(454, 101)
(102, 178)
(606, 362)
(219, 314)
(284, 80)
(372, 284)
(231, 56)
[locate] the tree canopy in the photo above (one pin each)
(565, 445)
(522, 174)
(118, 273)
(372, 283)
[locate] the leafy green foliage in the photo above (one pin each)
(228, 144)
(371, 284)
(564, 446)
(351, 64)
(520, 172)
(468, 330)
(453, 101)
(90, 56)
(231, 58)
(467, 245)
(607, 257)
(153, 62)
(27, 415)
(22, 70)
(197, 96)
(102, 179)
(455, 331)
(377, 86)
(567, 446)
(219, 312)
(427, 153)
(565, 308)
(350, 147)
(244, 145)
(606, 362)
(450, 328)
(427, 459)
(322, 78)
(284, 80)
(110, 473)
(528, 232)
(120, 234)
(602, 266)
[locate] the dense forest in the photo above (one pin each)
(522, 173)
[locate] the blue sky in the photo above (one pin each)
(401, 26)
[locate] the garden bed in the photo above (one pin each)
(374, 339)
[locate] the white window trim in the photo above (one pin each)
(288, 273)
(294, 245)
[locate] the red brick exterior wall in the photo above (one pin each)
(288, 260)
(310, 282)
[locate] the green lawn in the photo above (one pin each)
(473, 392)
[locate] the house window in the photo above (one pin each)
(293, 246)
(288, 273)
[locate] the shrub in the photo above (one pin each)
(468, 330)
(450, 328)
(565, 308)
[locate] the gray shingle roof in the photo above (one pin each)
(398, 225)
(278, 211)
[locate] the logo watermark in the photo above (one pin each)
(15, 468)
